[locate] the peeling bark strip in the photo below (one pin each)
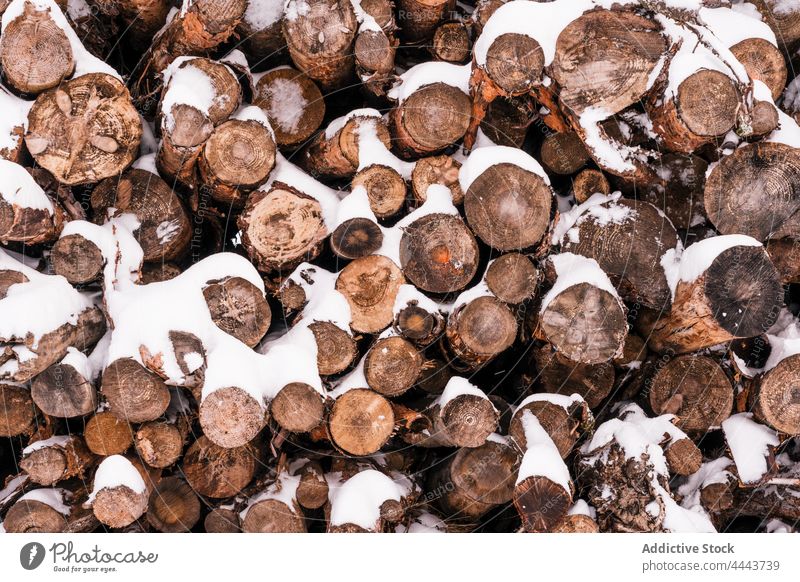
(85, 130)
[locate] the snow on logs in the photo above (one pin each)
(458, 239)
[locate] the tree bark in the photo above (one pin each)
(337, 155)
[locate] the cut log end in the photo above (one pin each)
(231, 417)
(297, 407)
(361, 421)
(542, 504)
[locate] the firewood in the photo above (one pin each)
(392, 365)
(134, 393)
(436, 170)
(507, 120)
(563, 153)
(77, 259)
(56, 459)
(360, 421)
(507, 198)
(560, 375)
(728, 293)
(27, 214)
(784, 19)
(312, 491)
(35, 52)
(479, 330)
(107, 435)
(275, 509)
(222, 520)
(231, 417)
(474, 480)
(297, 407)
(120, 491)
(773, 399)
(260, 31)
(421, 324)
(356, 237)
(173, 506)
(353, 510)
(562, 417)
(160, 444)
(320, 36)
(418, 19)
(18, 410)
(164, 231)
(451, 42)
(512, 278)
(588, 182)
(34, 516)
(239, 309)
(217, 472)
(142, 19)
(374, 50)
(85, 130)
(370, 285)
(695, 389)
(293, 104)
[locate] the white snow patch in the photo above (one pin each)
(572, 270)
(749, 443)
(358, 500)
(54, 441)
(429, 73)
(116, 471)
(261, 14)
(484, 158)
(541, 458)
(53, 496)
(18, 188)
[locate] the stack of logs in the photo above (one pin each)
(356, 265)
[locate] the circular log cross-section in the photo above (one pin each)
(320, 39)
(436, 170)
(85, 130)
(480, 330)
(451, 42)
(508, 207)
(281, 228)
(705, 116)
(695, 389)
(777, 400)
(134, 393)
(239, 308)
(119, 506)
(297, 407)
(370, 285)
(467, 420)
(159, 444)
(514, 62)
(77, 259)
(292, 125)
(763, 62)
(361, 421)
(221, 520)
(558, 422)
(560, 375)
(107, 435)
(430, 119)
(35, 53)
(541, 503)
(604, 60)
(61, 391)
(588, 182)
(356, 237)
(756, 191)
(336, 348)
(563, 153)
(438, 253)
(585, 323)
(512, 278)
(17, 411)
(173, 506)
(218, 472)
(231, 417)
(392, 365)
(273, 516)
(386, 189)
(164, 231)
(236, 159)
(31, 516)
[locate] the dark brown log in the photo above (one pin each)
(35, 53)
(236, 159)
(360, 422)
(784, 255)
(222, 520)
(418, 325)
(739, 295)
(784, 19)
(312, 492)
(281, 227)
(541, 503)
(508, 207)
(231, 417)
(435, 376)
(763, 62)
(336, 348)
(438, 253)
(512, 278)
(418, 19)
(160, 443)
(479, 331)
(356, 237)
(31, 516)
(164, 231)
(141, 19)
(604, 60)
(374, 58)
(465, 420)
(429, 120)
(261, 35)
(134, 393)
(239, 308)
(738, 200)
(695, 389)
(85, 130)
(17, 411)
(338, 156)
(77, 259)
(775, 399)
(293, 104)
(588, 182)
(559, 375)
(173, 506)
(514, 63)
(483, 11)
(107, 435)
(218, 472)
(563, 153)
(386, 189)
(451, 42)
(683, 457)
(563, 424)
(436, 170)
(628, 248)
(320, 36)
(507, 120)
(61, 460)
(475, 480)
(392, 365)
(297, 407)
(20, 223)
(370, 285)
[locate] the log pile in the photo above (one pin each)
(375, 266)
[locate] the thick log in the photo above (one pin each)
(392, 365)
(312, 491)
(173, 506)
(222, 520)
(360, 422)
(118, 498)
(297, 407)
(418, 19)
(238, 308)
(438, 253)
(512, 278)
(160, 443)
(356, 237)
(17, 411)
(217, 472)
(507, 120)
(336, 348)
(26, 216)
(134, 393)
(763, 62)
(33, 516)
(385, 187)
(85, 130)
(588, 182)
(563, 418)
(335, 154)
(775, 398)
(293, 104)
(560, 375)
(56, 459)
(784, 19)
(107, 435)
(418, 325)
(77, 259)
(370, 285)
(480, 330)
(231, 417)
